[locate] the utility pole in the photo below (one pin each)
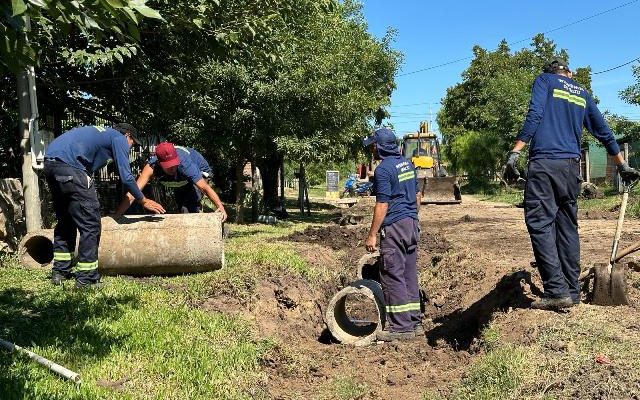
(30, 186)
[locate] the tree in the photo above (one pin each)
(103, 24)
(492, 100)
(632, 94)
(303, 86)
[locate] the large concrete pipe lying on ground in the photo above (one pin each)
(350, 331)
(145, 245)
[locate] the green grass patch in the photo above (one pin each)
(252, 253)
(348, 388)
(141, 339)
(497, 375)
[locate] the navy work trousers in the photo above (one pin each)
(551, 215)
(77, 209)
(188, 199)
(399, 274)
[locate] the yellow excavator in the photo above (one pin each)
(423, 149)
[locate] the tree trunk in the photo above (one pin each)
(282, 198)
(269, 167)
(239, 192)
(301, 188)
(31, 190)
(254, 192)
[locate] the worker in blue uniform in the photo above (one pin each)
(185, 171)
(70, 161)
(558, 111)
(395, 220)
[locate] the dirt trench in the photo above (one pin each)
(474, 265)
(309, 361)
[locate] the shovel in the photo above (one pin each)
(609, 280)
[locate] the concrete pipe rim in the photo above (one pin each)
(36, 250)
(346, 330)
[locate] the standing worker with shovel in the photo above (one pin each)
(558, 110)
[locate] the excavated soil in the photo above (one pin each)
(475, 265)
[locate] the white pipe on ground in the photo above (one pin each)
(58, 369)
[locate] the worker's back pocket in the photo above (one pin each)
(65, 183)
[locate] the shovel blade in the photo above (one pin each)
(619, 285)
(610, 289)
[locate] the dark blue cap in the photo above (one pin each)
(380, 136)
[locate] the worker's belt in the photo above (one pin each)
(173, 184)
(87, 266)
(403, 308)
(571, 98)
(58, 256)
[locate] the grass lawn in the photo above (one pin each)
(142, 339)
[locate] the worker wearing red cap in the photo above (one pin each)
(182, 169)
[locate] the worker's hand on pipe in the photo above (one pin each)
(370, 244)
(222, 211)
(152, 206)
(627, 173)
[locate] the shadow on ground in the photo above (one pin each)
(461, 328)
(45, 319)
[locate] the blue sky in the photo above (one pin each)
(432, 33)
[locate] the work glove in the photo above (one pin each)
(627, 173)
(511, 173)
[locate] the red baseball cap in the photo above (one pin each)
(167, 155)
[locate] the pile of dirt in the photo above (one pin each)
(332, 236)
(597, 214)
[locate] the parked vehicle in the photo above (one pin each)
(353, 187)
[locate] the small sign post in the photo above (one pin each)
(333, 184)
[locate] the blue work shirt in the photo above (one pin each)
(191, 169)
(558, 110)
(395, 183)
(90, 148)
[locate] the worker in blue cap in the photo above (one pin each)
(559, 110)
(395, 220)
(70, 162)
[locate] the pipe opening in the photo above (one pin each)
(353, 328)
(361, 310)
(356, 313)
(38, 249)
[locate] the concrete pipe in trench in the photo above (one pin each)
(145, 245)
(347, 330)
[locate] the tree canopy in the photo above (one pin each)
(483, 113)
(104, 25)
(632, 94)
(238, 79)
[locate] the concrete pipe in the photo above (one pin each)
(145, 245)
(369, 266)
(351, 331)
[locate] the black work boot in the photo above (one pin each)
(386, 336)
(552, 303)
(58, 278)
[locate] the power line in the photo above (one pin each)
(619, 66)
(520, 41)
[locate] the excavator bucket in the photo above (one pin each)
(441, 190)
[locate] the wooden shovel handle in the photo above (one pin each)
(626, 251)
